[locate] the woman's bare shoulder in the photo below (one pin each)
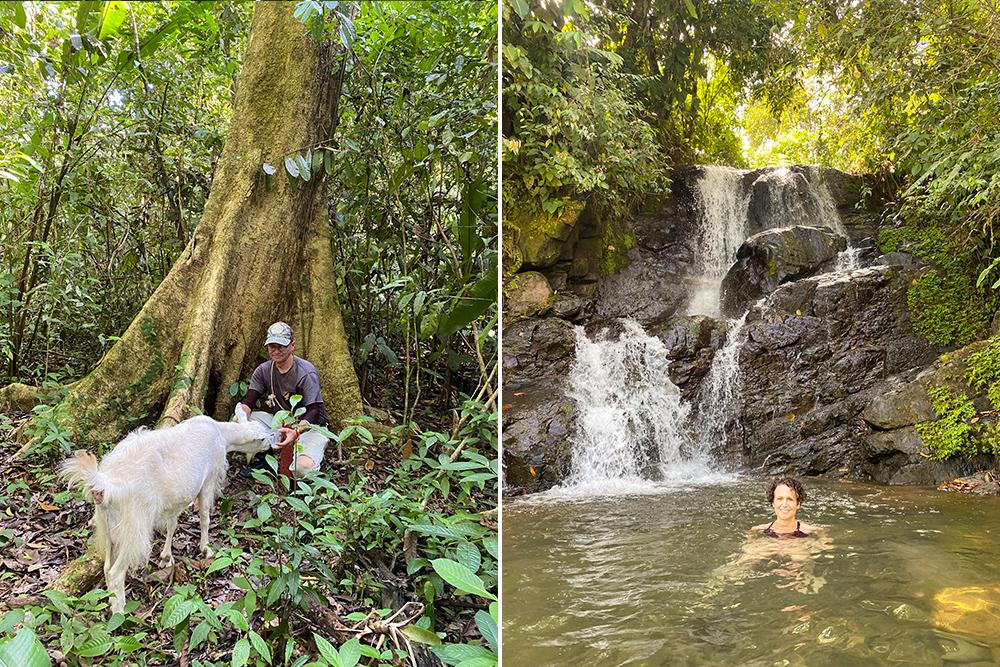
(811, 529)
(761, 527)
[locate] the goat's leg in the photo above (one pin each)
(205, 499)
(167, 554)
(116, 582)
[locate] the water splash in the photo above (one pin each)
(631, 421)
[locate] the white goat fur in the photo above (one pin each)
(147, 480)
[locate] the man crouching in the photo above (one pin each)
(275, 381)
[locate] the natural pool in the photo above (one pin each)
(666, 577)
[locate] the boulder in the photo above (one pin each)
(537, 414)
(816, 355)
(776, 256)
(526, 295)
(539, 237)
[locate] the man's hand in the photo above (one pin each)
(288, 436)
(246, 409)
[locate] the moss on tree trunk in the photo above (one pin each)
(258, 255)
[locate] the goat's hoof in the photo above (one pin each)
(206, 552)
(166, 562)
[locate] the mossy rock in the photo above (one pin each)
(527, 294)
(540, 236)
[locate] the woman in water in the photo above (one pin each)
(785, 495)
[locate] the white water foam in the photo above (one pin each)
(630, 421)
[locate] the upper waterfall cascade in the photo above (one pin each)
(632, 426)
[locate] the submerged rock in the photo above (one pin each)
(776, 256)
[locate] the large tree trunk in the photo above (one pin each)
(258, 255)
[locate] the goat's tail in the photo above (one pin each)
(81, 471)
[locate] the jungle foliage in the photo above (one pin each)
(906, 90)
(113, 115)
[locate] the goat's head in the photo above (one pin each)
(259, 439)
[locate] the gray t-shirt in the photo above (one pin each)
(302, 378)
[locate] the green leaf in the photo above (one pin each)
(10, 619)
(199, 634)
(418, 634)
(346, 30)
(350, 652)
(175, 610)
(98, 644)
(482, 661)
(291, 167)
(475, 301)
(461, 577)
(488, 629)
(260, 646)
(469, 556)
(111, 18)
(690, 9)
(304, 171)
(20, 17)
(491, 545)
(520, 7)
(454, 654)
(84, 13)
(241, 653)
(219, 563)
(326, 650)
(23, 650)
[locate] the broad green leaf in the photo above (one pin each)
(327, 650)
(220, 563)
(20, 17)
(291, 167)
(350, 652)
(469, 305)
(23, 650)
(481, 661)
(175, 610)
(690, 9)
(461, 577)
(422, 636)
(241, 653)
(454, 654)
(10, 619)
(111, 18)
(491, 544)
(199, 634)
(469, 556)
(488, 629)
(260, 646)
(520, 7)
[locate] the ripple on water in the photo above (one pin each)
(636, 580)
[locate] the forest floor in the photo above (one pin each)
(44, 527)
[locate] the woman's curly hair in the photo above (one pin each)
(792, 483)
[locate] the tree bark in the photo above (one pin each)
(258, 255)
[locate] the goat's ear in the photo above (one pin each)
(98, 495)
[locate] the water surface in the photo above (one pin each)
(906, 577)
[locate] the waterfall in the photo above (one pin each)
(722, 229)
(719, 391)
(630, 420)
(632, 429)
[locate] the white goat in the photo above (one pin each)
(148, 479)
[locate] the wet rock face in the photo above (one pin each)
(537, 414)
(776, 256)
(820, 352)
